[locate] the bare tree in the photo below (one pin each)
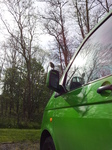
(23, 33)
(88, 13)
(106, 5)
(54, 21)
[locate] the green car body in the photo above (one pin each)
(81, 118)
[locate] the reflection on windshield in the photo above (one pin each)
(94, 60)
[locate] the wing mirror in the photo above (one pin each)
(53, 81)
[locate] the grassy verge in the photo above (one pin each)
(18, 135)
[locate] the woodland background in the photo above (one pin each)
(24, 62)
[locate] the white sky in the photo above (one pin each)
(44, 39)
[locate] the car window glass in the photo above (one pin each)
(94, 60)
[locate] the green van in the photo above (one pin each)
(79, 114)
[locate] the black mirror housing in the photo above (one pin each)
(53, 80)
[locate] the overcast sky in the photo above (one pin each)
(44, 39)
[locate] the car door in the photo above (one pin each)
(83, 115)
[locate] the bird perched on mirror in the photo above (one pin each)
(52, 65)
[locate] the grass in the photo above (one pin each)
(19, 135)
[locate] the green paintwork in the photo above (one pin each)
(47, 80)
(82, 118)
(84, 126)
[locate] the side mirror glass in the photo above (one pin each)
(53, 80)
